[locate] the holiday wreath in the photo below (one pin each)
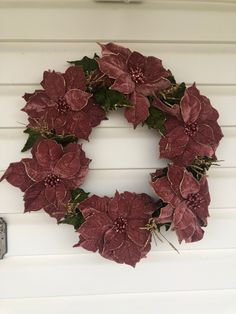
(66, 109)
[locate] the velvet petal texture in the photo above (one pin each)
(186, 201)
(64, 106)
(49, 175)
(193, 131)
(115, 226)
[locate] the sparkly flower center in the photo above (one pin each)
(51, 180)
(62, 106)
(190, 128)
(194, 201)
(120, 224)
(137, 75)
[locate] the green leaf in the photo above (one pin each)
(33, 136)
(74, 219)
(65, 140)
(173, 95)
(78, 195)
(110, 99)
(156, 119)
(88, 64)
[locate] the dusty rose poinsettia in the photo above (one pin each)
(193, 131)
(113, 226)
(48, 177)
(134, 75)
(64, 106)
(186, 201)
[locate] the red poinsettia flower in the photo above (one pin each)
(114, 226)
(48, 177)
(134, 75)
(193, 131)
(187, 202)
(63, 106)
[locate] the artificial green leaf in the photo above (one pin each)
(33, 136)
(75, 219)
(173, 95)
(88, 64)
(156, 119)
(65, 140)
(110, 99)
(171, 79)
(78, 195)
(201, 165)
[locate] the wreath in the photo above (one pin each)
(66, 109)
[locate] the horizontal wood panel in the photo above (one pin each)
(222, 184)
(206, 22)
(206, 64)
(38, 234)
(217, 302)
(42, 276)
(117, 148)
(223, 98)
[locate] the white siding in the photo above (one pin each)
(42, 273)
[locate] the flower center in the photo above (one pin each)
(51, 180)
(120, 224)
(190, 128)
(62, 106)
(194, 201)
(137, 75)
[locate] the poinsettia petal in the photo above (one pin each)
(166, 214)
(173, 110)
(139, 112)
(95, 113)
(75, 78)
(57, 211)
(149, 88)
(112, 48)
(189, 185)
(128, 253)
(204, 135)
(190, 107)
(77, 99)
(34, 171)
(47, 152)
(179, 212)
(112, 65)
(79, 124)
(34, 197)
(68, 165)
(197, 236)
(163, 189)
(173, 144)
(124, 84)
(55, 194)
(137, 235)
(175, 176)
(37, 104)
(136, 60)
(94, 228)
(17, 176)
(118, 207)
(154, 70)
(113, 240)
(54, 84)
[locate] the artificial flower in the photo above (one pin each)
(116, 226)
(48, 177)
(193, 131)
(186, 201)
(134, 75)
(63, 107)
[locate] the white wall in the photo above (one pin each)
(42, 273)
